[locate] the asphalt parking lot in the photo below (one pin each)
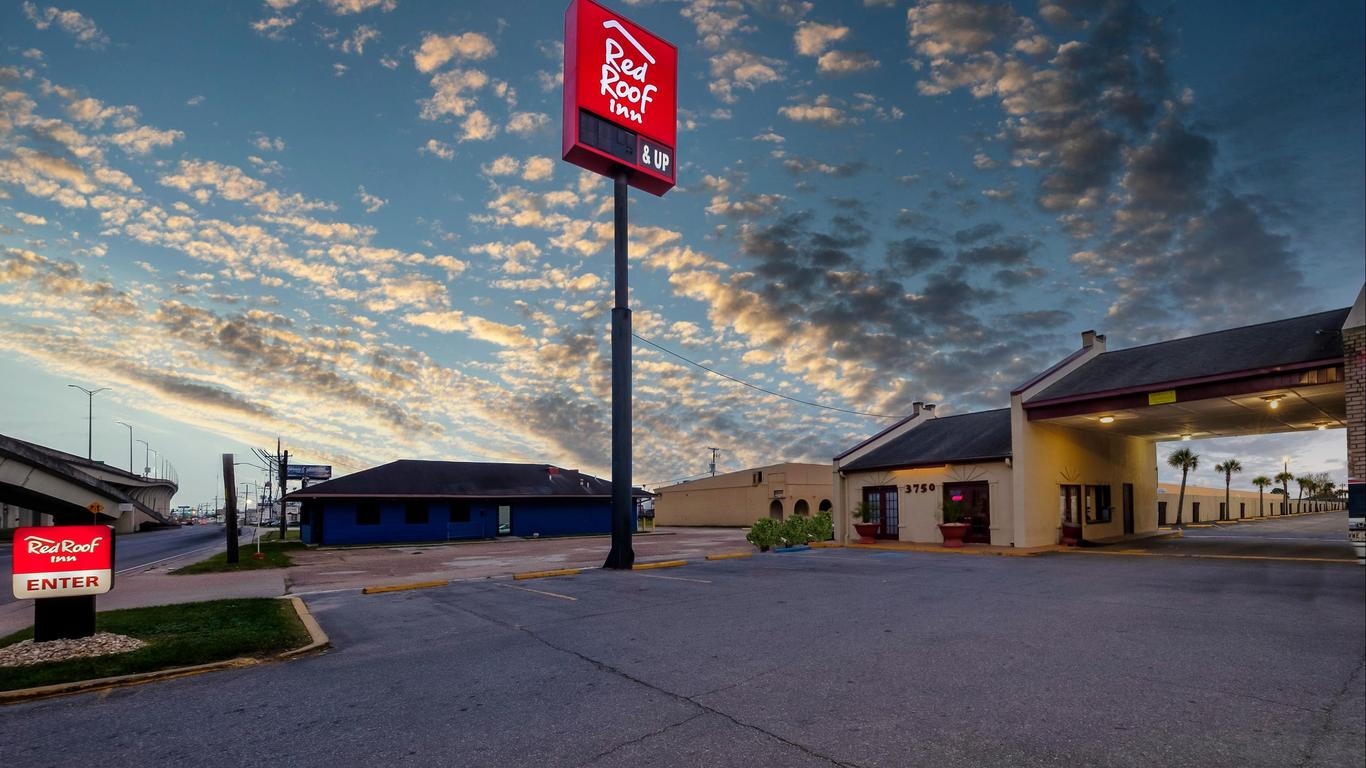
(828, 657)
(1320, 536)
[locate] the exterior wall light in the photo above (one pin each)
(1274, 401)
(1322, 427)
(1107, 419)
(1185, 438)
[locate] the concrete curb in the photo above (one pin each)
(403, 587)
(730, 556)
(659, 564)
(546, 574)
(318, 640)
(931, 549)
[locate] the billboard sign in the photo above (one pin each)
(308, 471)
(63, 561)
(620, 97)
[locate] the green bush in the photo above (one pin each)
(765, 534)
(954, 511)
(821, 526)
(795, 531)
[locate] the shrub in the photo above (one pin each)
(821, 526)
(765, 534)
(795, 531)
(954, 511)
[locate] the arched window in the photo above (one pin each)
(775, 510)
(801, 508)
(825, 506)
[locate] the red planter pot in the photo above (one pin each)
(866, 532)
(953, 534)
(1071, 534)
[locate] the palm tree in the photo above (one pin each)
(1227, 468)
(1284, 477)
(1261, 481)
(1306, 484)
(1185, 461)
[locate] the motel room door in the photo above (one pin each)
(976, 499)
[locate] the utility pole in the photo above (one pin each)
(130, 445)
(230, 506)
(621, 556)
(280, 491)
(89, 417)
(714, 451)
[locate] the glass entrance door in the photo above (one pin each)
(882, 501)
(504, 521)
(976, 501)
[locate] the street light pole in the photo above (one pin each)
(146, 458)
(89, 418)
(130, 445)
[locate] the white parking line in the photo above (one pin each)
(537, 591)
(672, 578)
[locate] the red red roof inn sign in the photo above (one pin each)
(63, 561)
(620, 97)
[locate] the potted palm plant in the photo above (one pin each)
(865, 526)
(953, 529)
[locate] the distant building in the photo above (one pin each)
(415, 501)
(739, 498)
(1206, 504)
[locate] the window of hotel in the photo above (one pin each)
(460, 512)
(1069, 500)
(1098, 506)
(367, 513)
(415, 513)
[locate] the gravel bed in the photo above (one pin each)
(28, 652)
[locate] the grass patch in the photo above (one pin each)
(176, 636)
(274, 554)
(274, 535)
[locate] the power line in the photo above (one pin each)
(757, 387)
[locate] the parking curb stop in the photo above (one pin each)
(546, 574)
(403, 587)
(660, 564)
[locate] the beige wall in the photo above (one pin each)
(734, 499)
(1048, 457)
(919, 512)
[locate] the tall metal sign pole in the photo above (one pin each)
(620, 120)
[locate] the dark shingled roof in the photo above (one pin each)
(944, 440)
(1252, 347)
(462, 479)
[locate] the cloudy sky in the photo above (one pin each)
(345, 222)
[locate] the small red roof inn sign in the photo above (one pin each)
(63, 561)
(620, 97)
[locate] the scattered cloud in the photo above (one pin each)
(85, 31)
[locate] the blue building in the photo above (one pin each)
(413, 501)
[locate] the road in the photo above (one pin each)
(814, 659)
(134, 551)
(1321, 536)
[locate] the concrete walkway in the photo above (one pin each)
(330, 569)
